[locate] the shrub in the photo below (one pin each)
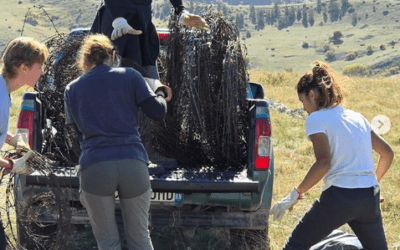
(355, 69)
(382, 47)
(337, 35)
(351, 56)
(248, 34)
(330, 56)
(305, 45)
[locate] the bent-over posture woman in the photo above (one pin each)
(343, 142)
(103, 105)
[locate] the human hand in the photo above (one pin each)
(21, 166)
(166, 92)
(159, 88)
(193, 20)
(121, 27)
(278, 210)
(20, 141)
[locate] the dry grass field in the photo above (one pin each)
(276, 60)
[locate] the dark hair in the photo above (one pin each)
(96, 49)
(323, 81)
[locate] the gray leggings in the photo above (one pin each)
(359, 208)
(99, 183)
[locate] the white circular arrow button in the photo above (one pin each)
(381, 124)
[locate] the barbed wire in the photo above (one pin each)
(207, 120)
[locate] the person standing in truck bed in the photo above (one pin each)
(103, 106)
(22, 61)
(129, 24)
(343, 141)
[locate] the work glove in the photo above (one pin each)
(121, 27)
(21, 166)
(20, 141)
(287, 203)
(377, 188)
(193, 20)
(159, 88)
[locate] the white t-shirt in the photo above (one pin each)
(349, 135)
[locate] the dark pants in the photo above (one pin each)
(3, 242)
(337, 206)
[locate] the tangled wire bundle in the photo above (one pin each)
(207, 120)
(55, 199)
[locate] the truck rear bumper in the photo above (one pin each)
(232, 220)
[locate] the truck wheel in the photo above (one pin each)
(247, 239)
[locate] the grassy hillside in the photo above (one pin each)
(276, 59)
(281, 50)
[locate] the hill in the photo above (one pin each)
(368, 30)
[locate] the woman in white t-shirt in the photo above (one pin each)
(343, 142)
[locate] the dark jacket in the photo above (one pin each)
(143, 49)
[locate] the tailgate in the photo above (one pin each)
(180, 181)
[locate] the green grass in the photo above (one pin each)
(294, 153)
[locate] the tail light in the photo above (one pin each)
(263, 147)
(25, 119)
(163, 35)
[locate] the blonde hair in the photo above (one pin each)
(96, 49)
(22, 50)
(323, 80)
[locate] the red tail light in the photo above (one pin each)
(25, 121)
(263, 147)
(163, 36)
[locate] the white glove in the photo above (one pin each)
(20, 141)
(193, 20)
(21, 167)
(121, 27)
(23, 141)
(287, 203)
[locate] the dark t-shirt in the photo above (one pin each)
(104, 106)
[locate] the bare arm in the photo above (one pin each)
(322, 164)
(385, 152)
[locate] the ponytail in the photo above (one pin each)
(323, 81)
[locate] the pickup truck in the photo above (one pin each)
(238, 201)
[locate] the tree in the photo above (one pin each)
(305, 19)
(298, 16)
(276, 12)
(240, 21)
(225, 9)
(345, 7)
(268, 17)
(260, 18)
(292, 16)
(252, 15)
(311, 19)
(334, 10)
(319, 6)
(354, 20)
(325, 14)
(191, 7)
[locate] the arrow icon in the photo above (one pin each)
(381, 124)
